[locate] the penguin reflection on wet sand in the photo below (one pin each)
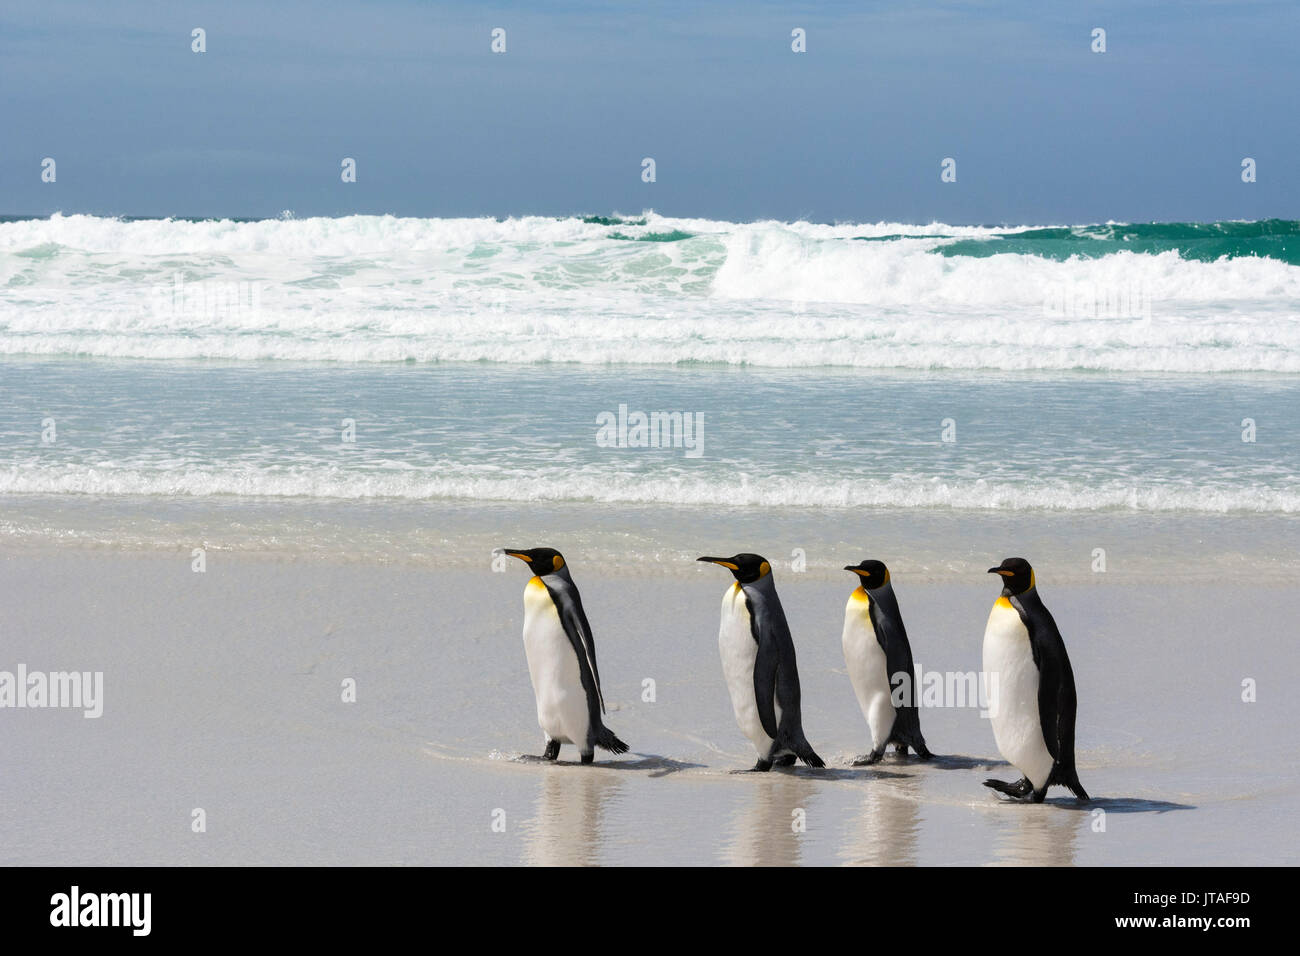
(562, 658)
(877, 655)
(1031, 688)
(759, 664)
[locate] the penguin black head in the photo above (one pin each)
(872, 574)
(1017, 575)
(539, 560)
(747, 568)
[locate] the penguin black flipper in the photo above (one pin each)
(1064, 772)
(568, 602)
(891, 634)
(776, 680)
(1057, 699)
(766, 667)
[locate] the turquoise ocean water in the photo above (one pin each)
(1105, 370)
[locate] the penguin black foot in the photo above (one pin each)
(763, 766)
(866, 760)
(922, 751)
(1020, 789)
(900, 750)
(552, 750)
(588, 758)
(785, 760)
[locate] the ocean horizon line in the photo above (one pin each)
(620, 217)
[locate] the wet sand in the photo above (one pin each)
(223, 691)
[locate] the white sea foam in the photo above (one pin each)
(458, 481)
(383, 289)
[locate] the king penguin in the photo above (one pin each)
(562, 658)
(877, 655)
(758, 662)
(1030, 687)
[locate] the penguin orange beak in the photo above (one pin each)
(856, 570)
(722, 561)
(518, 554)
(1002, 571)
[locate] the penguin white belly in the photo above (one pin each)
(739, 651)
(553, 666)
(1013, 694)
(868, 668)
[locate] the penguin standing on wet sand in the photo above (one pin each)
(877, 655)
(1031, 688)
(562, 658)
(759, 664)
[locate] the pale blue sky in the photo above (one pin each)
(1043, 130)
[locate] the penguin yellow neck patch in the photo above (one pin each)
(860, 595)
(536, 582)
(1004, 602)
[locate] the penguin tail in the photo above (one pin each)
(1075, 787)
(607, 740)
(803, 750)
(907, 733)
(1068, 777)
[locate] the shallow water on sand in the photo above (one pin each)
(223, 692)
(770, 439)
